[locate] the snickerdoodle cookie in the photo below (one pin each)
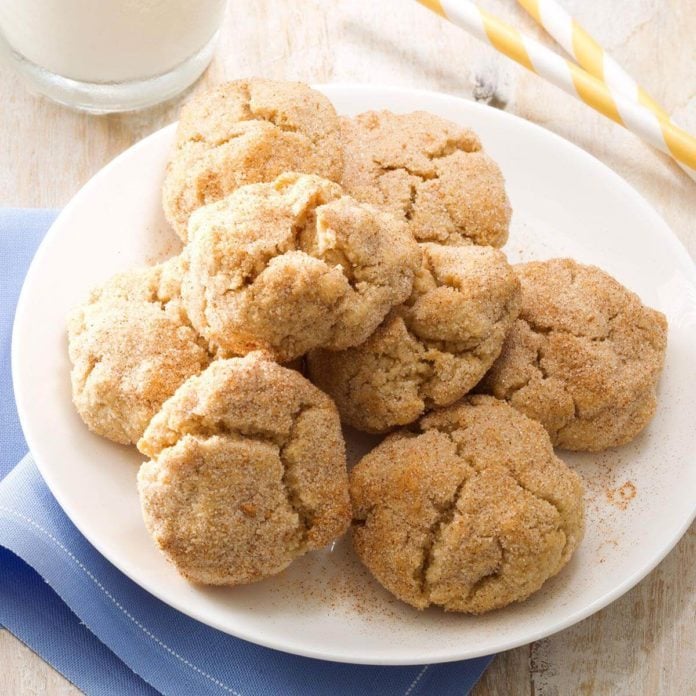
(293, 265)
(131, 346)
(247, 472)
(432, 349)
(428, 171)
(245, 132)
(584, 357)
(470, 512)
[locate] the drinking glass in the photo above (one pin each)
(109, 55)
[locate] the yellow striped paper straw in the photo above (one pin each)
(588, 52)
(655, 129)
(582, 46)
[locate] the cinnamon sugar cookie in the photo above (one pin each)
(584, 357)
(429, 172)
(432, 349)
(247, 472)
(293, 265)
(244, 132)
(131, 346)
(471, 511)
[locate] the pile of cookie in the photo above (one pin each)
(348, 271)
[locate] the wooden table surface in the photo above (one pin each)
(644, 643)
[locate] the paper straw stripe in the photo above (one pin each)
(657, 130)
(434, 6)
(644, 122)
(618, 80)
(598, 63)
(680, 144)
(587, 51)
(594, 93)
(550, 66)
(580, 44)
(506, 39)
(532, 6)
(557, 24)
(646, 100)
(465, 14)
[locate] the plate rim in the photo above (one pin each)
(677, 250)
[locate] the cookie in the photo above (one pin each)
(429, 172)
(247, 472)
(471, 511)
(131, 346)
(584, 357)
(293, 265)
(432, 349)
(245, 132)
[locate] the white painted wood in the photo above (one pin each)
(645, 642)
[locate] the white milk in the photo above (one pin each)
(109, 40)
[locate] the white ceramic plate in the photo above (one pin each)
(565, 203)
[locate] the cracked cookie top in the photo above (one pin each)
(471, 510)
(131, 346)
(293, 265)
(432, 349)
(247, 472)
(584, 357)
(429, 172)
(244, 132)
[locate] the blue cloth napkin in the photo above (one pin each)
(98, 628)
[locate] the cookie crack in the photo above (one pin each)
(421, 175)
(436, 531)
(559, 527)
(460, 450)
(184, 320)
(549, 331)
(246, 99)
(537, 365)
(305, 514)
(545, 374)
(92, 363)
(250, 114)
(447, 149)
(199, 429)
(258, 266)
(453, 347)
(271, 116)
(536, 494)
(394, 363)
(441, 348)
(477, 586)
(199, 426)
(411, 203)
(596, 415)
(452, 145)
(216, 144)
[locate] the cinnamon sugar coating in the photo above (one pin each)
(429, 172)
(584, 357)
(470, 511)
(244, 132)
(432, 349)
(247, 472)
(130, 347)
(293, 265)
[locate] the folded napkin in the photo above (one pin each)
(101, 630)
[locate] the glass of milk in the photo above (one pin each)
(109, 55)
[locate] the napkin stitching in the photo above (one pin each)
(147, 632)
(416, 680)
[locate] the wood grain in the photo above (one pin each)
(645, 642)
